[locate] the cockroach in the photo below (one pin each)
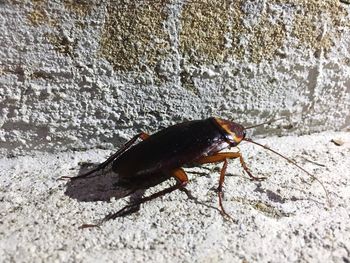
(188, 143)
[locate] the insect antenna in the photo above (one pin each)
(261, 124)
(294, 163)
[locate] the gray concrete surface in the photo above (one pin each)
(87, 74)
(282, 219)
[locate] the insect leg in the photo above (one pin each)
(179, 175)
(246, 169)
(126, 146)
(182, 179)
(131, 208)
(221, 182)
(220, 157)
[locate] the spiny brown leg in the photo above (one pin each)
(127, 208)
(179, 175)
(221, 182)
(182, 179)
(246, 169)
(126, 146)
(220, 157)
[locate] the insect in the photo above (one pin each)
(188, 143)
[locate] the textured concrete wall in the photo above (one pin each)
(81, 74)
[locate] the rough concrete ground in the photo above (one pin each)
(282, 219)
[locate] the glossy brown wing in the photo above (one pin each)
(170, 148)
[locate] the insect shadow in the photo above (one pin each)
(104, 185)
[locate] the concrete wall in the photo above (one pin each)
(81, 74)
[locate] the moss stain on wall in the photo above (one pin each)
(43, 13)
(38, 17)
(213, 31)
(134, 37)
(315, 22)
(81, 7)
(62, 44)
(204, 29)
(40, 14)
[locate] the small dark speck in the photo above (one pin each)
(259, 189)
(275, 197)
(293, 198)
(346, 260)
